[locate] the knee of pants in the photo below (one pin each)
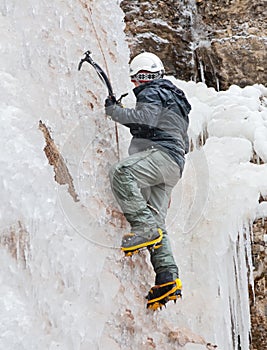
(116, 173)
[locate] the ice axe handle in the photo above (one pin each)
(100, 72)
(102, 75)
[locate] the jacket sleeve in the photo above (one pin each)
(147, 111)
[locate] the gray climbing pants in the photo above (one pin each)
(142, 185)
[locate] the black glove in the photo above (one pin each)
(110, 101)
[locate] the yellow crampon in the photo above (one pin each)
(151, 245)
(159, 295)
(134, 252)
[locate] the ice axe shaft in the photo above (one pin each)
(102, 75)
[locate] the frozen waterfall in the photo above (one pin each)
(64, 282)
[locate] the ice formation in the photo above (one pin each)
(64, 282)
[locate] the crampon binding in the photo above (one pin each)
(159, 295)
(151, 245)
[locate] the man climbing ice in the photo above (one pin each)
(143, 182)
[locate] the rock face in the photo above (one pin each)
(258, 306)
(237, 34)
(165, 28)
(220, 43)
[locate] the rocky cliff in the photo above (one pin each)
(259, 305)
(219, 43)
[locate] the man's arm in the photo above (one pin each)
(147, 111)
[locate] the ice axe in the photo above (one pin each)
(102, 75)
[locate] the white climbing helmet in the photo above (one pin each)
(146, 62)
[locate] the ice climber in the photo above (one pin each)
(142, 183)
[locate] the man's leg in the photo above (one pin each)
(162, 258)
(167, 283)
(127, 178)
(130, 180)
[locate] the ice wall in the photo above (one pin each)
(64, 282)
(220, 190)
(54, 293)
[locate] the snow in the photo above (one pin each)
(237, 37)
(64, 282)
(261, 210)
(154, 36)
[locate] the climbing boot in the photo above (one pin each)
(132, 243)
(160, 294)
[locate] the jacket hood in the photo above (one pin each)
(164, 84)
(157, 83)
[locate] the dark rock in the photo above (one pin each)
(219, 43)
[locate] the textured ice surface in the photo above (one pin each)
(64, 282)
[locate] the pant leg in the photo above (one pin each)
(162, 258)
(147, 178)
(158, 197)
(127, 179)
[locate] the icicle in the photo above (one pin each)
(217, 83)
(249, 242)
(202, 75)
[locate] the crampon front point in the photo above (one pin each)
(159, 295)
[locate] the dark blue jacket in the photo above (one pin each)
(159, 120)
